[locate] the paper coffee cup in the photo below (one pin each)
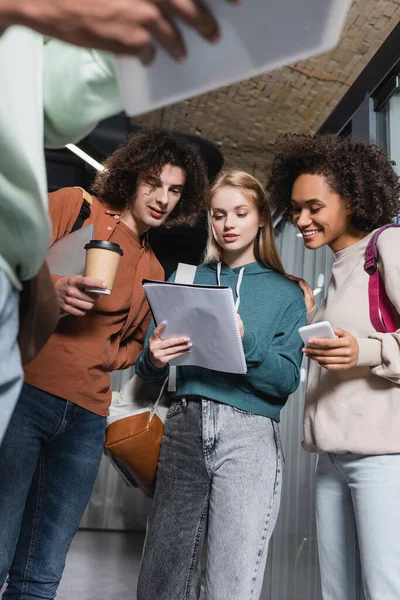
(102, 259)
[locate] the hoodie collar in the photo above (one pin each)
(249, 269)
(238, 283)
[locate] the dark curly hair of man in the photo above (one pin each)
(359, 172)
(147, 152)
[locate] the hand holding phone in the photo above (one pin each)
(316, 330)
(337, 352)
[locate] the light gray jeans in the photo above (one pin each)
(358, 524)
(11, 374)
(219, 477)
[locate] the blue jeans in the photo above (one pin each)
(358, 524)
(11, 374)
(219, 476)
(48, 464)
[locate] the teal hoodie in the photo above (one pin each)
(272, 309)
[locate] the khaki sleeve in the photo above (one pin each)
(80, 89)
(133, 341)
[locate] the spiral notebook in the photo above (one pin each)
(204, 313)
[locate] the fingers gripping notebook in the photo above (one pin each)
(207, 315)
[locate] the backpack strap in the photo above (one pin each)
(84, 213)
(381, 311)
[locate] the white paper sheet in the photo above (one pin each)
(258, 36)
(67, 255)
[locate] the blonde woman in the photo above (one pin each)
(219, 474)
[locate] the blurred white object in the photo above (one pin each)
(84, 156)
(257, 36)
(320, 284)
(67, 256)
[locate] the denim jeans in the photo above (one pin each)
(358, 524)
(48, 464)
(11, 374)
(219, 476)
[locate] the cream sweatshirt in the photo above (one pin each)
(358, 410)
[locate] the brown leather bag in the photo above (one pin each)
(134, 433)
(38, 314)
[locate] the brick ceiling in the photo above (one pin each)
(243, 119)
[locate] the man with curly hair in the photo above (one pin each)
(337, 191)
(53, 446)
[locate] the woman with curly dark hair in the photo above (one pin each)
(337, 192)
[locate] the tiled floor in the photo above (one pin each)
(102, 565)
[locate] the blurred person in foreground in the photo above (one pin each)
(56, 93)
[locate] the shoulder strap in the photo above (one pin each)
(372, 253)
(85, 194)
(184, 274)
(84, 212)
(381, 311)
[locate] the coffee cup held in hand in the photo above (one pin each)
(102, 259)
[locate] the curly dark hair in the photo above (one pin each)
(148, 151)
(359, 172)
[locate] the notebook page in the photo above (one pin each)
(207, 315)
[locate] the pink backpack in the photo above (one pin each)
(381, 310)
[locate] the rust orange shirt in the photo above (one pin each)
(76, 362)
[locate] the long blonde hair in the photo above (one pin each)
(265, 250)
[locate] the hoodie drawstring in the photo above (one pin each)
(238, 284)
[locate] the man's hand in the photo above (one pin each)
(120, 26)
(72, 298)
(336, 354)
(162, 351)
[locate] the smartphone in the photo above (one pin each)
(316, 330)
